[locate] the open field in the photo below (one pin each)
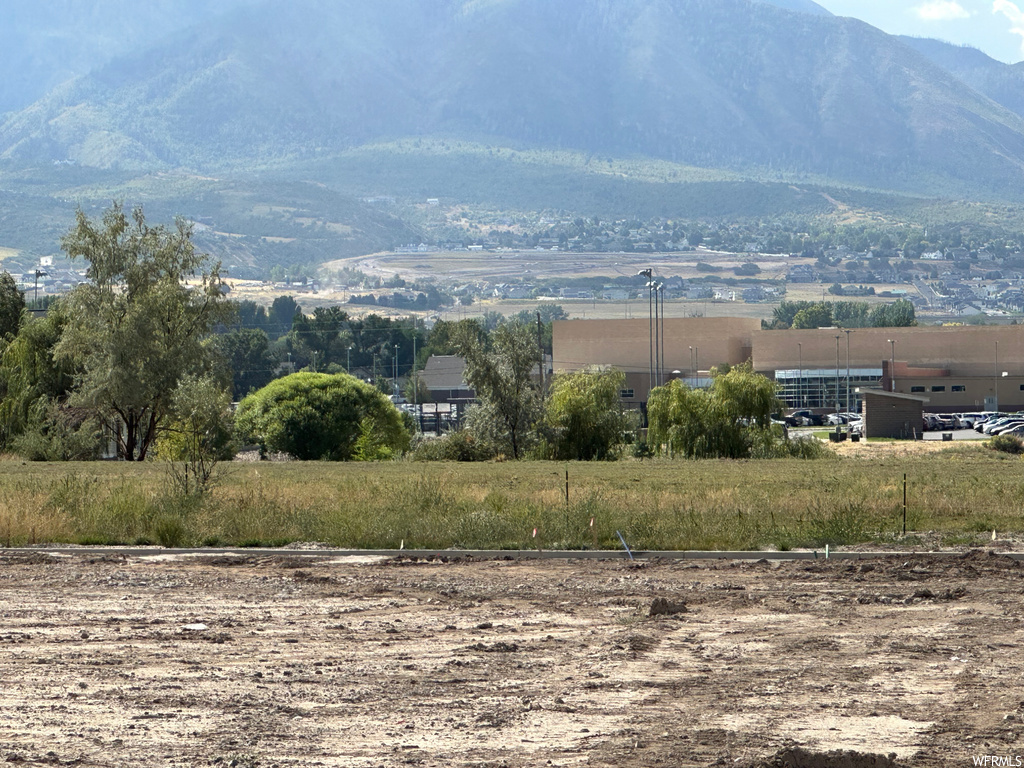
(957, 496)
(460, 268)
(286, 661)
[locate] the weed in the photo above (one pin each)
(170, 531)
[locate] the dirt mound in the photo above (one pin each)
(797, 757)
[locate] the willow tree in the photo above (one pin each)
(585, 414)
(724, 421)
(138, 325)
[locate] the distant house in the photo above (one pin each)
(444, 377)
(754, 294)
(802, 274)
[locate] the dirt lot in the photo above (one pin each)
(245, 661)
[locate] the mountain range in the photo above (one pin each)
(760, 89)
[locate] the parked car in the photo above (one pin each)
(992, 426)
(967, 420)
(980, 424)
(1007, 427)
(937, 421)
(804, 418)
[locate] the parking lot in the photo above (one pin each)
(958, 434)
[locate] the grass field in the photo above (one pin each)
(960, 495)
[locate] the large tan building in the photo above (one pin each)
(956, 368)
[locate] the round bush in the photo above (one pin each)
(320, 416)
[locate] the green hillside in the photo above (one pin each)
(727, 84)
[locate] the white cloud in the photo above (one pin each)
(1016, 16)
(942, 10)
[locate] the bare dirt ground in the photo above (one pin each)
(259, 660)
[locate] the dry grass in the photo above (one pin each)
(958, 492)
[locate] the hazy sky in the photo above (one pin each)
(994, 26)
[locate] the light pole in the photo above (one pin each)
(693, 377)
(696, 366)
(847, 332)
(800, 375)
(650, 326)
(657, 337)
(661, 290)
(348, 365)
(838, 336)
(35, 295)
(396, 370)
(995, 381)
(892, 364)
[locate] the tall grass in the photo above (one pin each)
(659, 504)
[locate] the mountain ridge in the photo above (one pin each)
(770, 90)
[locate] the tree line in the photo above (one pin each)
(148, 354)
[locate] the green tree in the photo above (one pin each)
(247, 353)
(501, 372)
(320, 416)
(323, 337)
(138, 326)
(12, 305)
(725, 421)
(850, 314)
(898, 314)
(282, 314)
(815, 316)
(29, 374)
(585, 414)
(784, 314)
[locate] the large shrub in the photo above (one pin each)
(321, 416)
(1006, 444)
(726, 421)
(585, 415)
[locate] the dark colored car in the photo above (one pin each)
(804, 418)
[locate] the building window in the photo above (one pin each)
(958, 388)
(938, 389)
(917, 389)
(626, 394)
